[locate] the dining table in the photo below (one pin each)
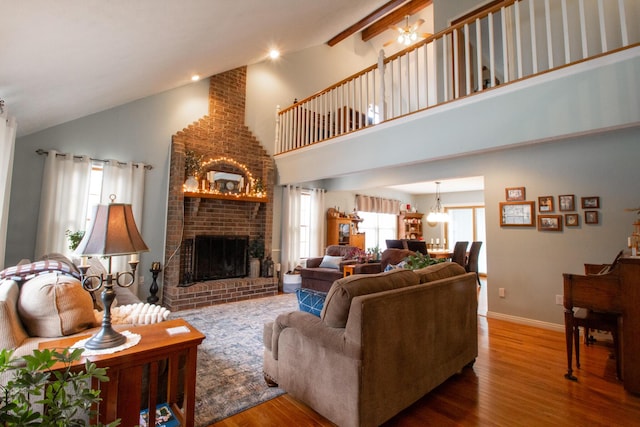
(440, 253)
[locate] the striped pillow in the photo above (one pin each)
(23, 272)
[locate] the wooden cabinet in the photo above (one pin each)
(410, 225)
(342, 231)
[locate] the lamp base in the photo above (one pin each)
(107, 337)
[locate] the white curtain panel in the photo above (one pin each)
(318, 238)
(63, 201)
(8, 127)
(291, 227)
(126, 182)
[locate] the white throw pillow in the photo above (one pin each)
(136, 314)
(331, 262)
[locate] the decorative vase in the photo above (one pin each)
(254, 268)
(191, 184)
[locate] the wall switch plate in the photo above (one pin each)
(559, 299)
(501, 292)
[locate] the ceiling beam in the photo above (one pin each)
(393, 18)
(367, 20)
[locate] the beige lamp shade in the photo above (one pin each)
(113, 232)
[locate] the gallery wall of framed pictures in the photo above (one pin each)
(552, 213)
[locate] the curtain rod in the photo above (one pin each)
(41, 151)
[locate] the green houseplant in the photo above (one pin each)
(74, 238)
(35, 395)
(420, 260)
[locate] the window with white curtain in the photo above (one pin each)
(72, 185)
(378, 227)
(95, 188)
(305, 224)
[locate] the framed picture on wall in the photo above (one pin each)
(590, 203)
(545, 204)
(549, 222)
(571, 220)
(590, 217)
(517, 214)
(514, 194)
(567, 202)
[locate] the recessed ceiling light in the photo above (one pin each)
(195, 78)
(274, 54)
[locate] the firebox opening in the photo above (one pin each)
(218, 257)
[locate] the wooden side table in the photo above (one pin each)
(122, 394)
(347, 270)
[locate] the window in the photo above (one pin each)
(95, 189)
(305, 222)
(468, 224)
(378, 228)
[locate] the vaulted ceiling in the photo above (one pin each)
(65, 59)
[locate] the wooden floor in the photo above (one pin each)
(517, 380)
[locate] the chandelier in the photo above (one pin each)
(437, 214)
(408, 34)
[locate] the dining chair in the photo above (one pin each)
(472, 260)
(395, 244)
(417, 246)
(460, 253)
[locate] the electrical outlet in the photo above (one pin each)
(559, 299)
(501, 292)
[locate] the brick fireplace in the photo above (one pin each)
(226, 145)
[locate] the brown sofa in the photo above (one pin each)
(321, 278)
(382, 342)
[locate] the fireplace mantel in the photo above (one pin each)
(222, 196)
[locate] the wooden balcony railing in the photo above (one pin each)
(510, 41)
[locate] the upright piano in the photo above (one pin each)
(617, 292)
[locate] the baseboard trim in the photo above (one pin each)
(524, 321)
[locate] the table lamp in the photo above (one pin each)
(113, 233)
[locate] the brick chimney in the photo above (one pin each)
(220, 137)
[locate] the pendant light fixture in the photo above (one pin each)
(437, 214)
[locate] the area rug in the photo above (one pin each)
(230, 358)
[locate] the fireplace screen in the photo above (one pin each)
(219, 257)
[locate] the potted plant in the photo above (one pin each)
(256, 253)
(74, 238)
(35, 395)
(420, 260)
(374, 253)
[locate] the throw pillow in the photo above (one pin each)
(329, 261)
(55, 305)
(28, 271)
(54, 256)
(401, 264)
(310, 300)
(136, 314)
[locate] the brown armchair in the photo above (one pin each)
(321, 278)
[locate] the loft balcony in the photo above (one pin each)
(520, 72)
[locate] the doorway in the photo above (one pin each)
(467, 223)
